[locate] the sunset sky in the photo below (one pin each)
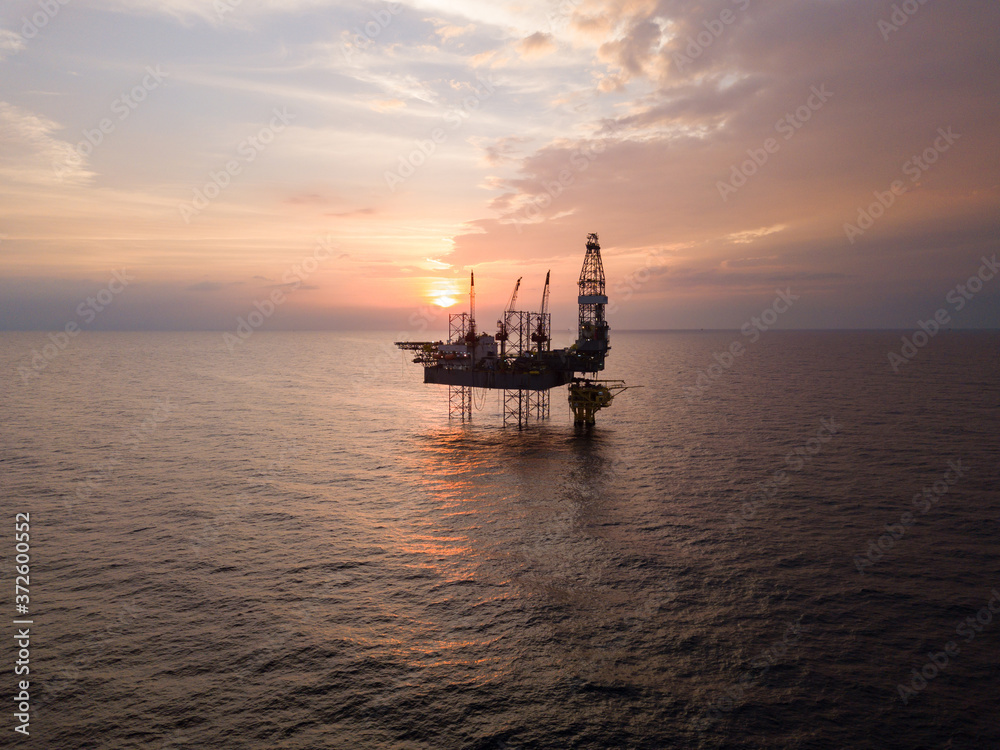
(718, 148)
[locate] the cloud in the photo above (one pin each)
(182, 11)
(651, 172)
(308, 199)
(502, 150)
(618, 116)
(447, 30)
(693, 277)
(211, 286)
(232, 12)
(636, 53)
(10, 43)
(31, 154)
(750, 235)
(770, 260)
(387, 105)
(368, 211)
(538, 44)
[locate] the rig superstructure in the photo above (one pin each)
(519, 359)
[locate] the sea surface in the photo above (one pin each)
(290, 545)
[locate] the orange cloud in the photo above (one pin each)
(538, 44)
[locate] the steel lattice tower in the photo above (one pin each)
(593, 335)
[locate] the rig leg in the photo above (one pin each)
(515, 407)
(460, 402)
(538, 404)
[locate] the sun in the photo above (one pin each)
(442, 292)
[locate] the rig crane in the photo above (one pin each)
(540, 335)
(502, 332)
(470, 336)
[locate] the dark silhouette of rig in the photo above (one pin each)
(519, 359)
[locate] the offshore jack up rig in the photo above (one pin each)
(519, 359)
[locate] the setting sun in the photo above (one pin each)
(444, 301)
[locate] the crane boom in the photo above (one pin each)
(541, 333)
(545, 294)
(513, 297)
(502, 333)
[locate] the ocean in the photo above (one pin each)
(286, 543)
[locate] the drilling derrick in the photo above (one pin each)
(592, 340)
(526, 367)
(586, 397)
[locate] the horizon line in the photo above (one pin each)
(399, 332)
